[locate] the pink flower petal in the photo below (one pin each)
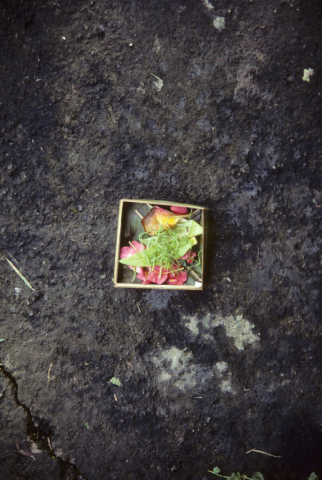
(162, 210)
(131, 250)
(189, 256)
(143, 276)
(137, 246)
(154, 275)
(139, 270)
(177, 278)
(126, 252)
(179, 210)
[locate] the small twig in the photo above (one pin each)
(194, 213)
(264, 453)
(138, 214)
(158, 78)
(24, 452)
(48, 440)
(48, 375)
(193, 273)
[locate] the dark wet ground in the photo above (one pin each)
(206, 376)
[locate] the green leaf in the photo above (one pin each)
(139, 259)
(1, 339)
(116, 381)
(191, 280)
(197, 269)
(86, 425)
(184, 245)
(215, 471)
(257, 476)
(313, 476)
(190, 228)
(135, 227)
(143, 258)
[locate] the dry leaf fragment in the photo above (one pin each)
(159, 83)
(307, 73)
(219, 23)
(116, 381)
(24, 452)
(264, 453)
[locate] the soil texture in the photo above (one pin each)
(193, 101)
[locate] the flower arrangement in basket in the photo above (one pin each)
(164, 246)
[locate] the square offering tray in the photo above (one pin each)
(129, 227)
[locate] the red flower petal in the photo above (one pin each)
(139, 270)
(179, 210)
(131, 250)
(177, 278)
(155, 277)
(137, 246)
(126, 252)
(189, 256)
(143, 276)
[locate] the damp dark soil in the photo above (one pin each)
(192, 101)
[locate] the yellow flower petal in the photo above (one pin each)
(159, 218)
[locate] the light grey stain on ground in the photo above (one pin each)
(237, 327)
(176, 367)
(224, 375)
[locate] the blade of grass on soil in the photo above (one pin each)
(20, 274)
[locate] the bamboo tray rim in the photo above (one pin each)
(118, 245)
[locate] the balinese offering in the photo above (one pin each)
(162, 246)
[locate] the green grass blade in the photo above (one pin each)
(20, 274)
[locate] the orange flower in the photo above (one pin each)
(159, 218)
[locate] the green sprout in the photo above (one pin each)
(162, 248)
(238, 476)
